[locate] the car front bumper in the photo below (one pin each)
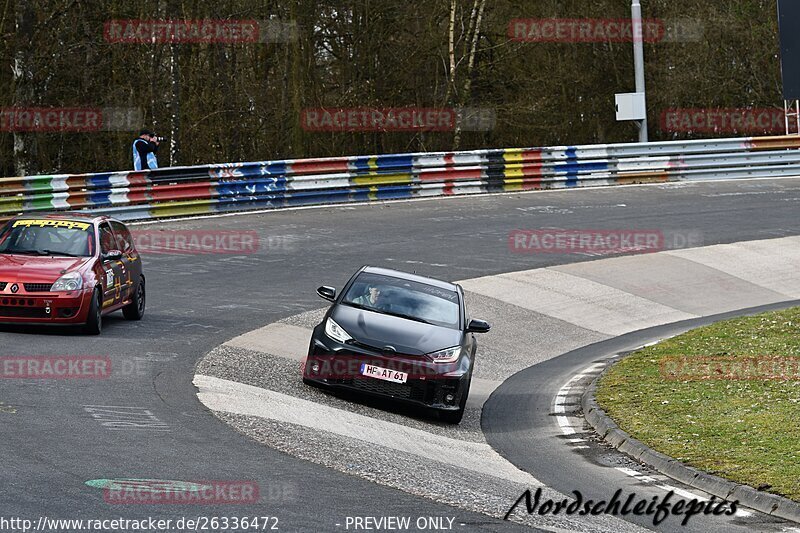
(51, 308)
(336, 366)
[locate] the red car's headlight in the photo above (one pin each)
(72, 281)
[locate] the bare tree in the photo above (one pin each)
(26, 153)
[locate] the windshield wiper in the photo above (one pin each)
(57, 252)
(390, 313)
(24, 252)
(408, 317)
(359, 306)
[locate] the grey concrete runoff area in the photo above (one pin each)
(253, 381)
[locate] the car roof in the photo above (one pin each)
(411, 277)
(72, 216)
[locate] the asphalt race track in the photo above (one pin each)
(52, 446)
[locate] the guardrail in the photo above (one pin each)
(181, 191)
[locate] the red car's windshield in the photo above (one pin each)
(47, 237)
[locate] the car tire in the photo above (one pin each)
(454, 417)
(94, 320)
(135, 309)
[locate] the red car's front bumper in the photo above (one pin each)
(44, 308)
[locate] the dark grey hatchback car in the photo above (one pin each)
(396, 335)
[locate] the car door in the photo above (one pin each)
(131, 268)
(113, 268)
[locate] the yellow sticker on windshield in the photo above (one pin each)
(53, 224)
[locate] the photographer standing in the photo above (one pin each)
(145, 147)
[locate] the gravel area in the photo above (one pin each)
(282, 375)
(309, 319)
(520, 338)
(443, 483)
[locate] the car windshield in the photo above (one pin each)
(47, 237)
(404, 298)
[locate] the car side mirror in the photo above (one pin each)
(112, 255)
(328, 293)
(478, 326)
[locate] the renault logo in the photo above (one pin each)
(15, 288)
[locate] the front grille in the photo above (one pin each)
(23, 312)
(407, 391)
(398, 390)
(22, 302)
(38, 287)
(3, 285)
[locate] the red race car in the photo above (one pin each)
(67, 269)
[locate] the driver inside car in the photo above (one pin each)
(370, 298)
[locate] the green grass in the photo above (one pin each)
(745, 430)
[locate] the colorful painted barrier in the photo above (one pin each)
(208, 189)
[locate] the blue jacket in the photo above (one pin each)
(144, 150)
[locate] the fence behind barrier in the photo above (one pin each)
(219, 188)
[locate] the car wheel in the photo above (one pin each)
(454, 417)
(135, 309)
(94, 321)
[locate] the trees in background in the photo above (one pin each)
(243, 102)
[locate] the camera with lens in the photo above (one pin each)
(159, 138)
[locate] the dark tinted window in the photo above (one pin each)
(409, 299)
(124, 239)
(107, 240)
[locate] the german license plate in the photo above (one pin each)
(385, 374)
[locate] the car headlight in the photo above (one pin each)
(448, 355)
(336, 332)
(68, 282)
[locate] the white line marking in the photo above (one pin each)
(560, 402)
(568, 429)
(638, 475)
(239, 398)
